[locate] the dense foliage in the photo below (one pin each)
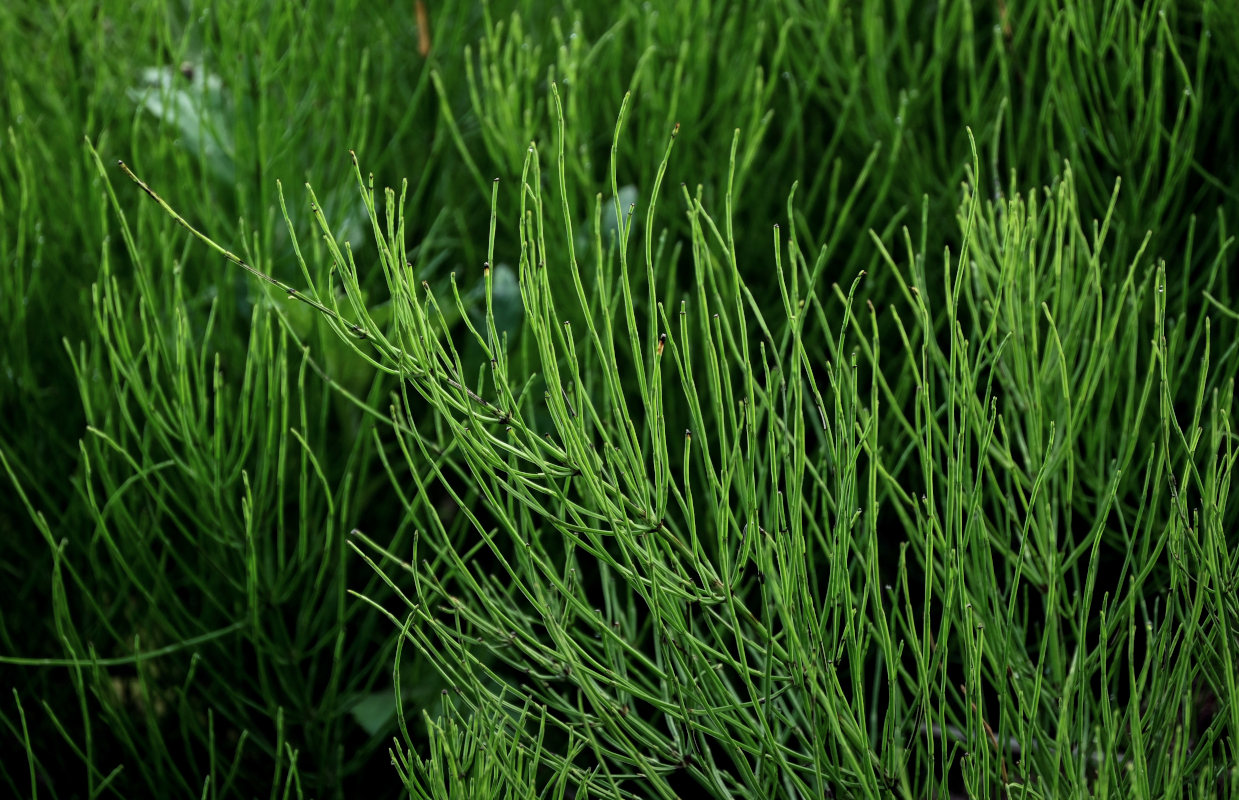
(780, 399)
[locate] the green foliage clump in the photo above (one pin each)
(783, 399)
